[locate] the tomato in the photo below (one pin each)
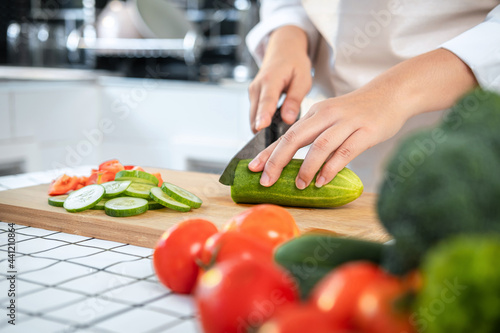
(99, 177)
(270, 223)
(112, 166)
(236, 295)
(233, 245)
(299, 319)
(175, 254)
(378, 311)
(158, 175)
(133, 167)
(338, 292)
(63, 185)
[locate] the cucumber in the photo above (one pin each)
(115, 188)
(57, 201)
(181, 195)
(344, 188)
(161, 197)
(125, 206)
(100, 204)
(153, 205)
(137, 176)
(139, 190)
(84, 198)
(311, 256)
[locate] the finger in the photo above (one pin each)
(321, 149)
(253, 94)
(258, 163)
(268, 100)
(299, 135)
(358, 142)
(296, 92)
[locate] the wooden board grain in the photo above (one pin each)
(28, 206)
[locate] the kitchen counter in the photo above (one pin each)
(70, 283)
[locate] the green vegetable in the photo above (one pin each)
(137, 176)
(84, 198)
(139, 190)
(443, 181)
(181, 195)
(57, 201)
(344, 188)
(162, 198)
(125, 206)
(115, 188)
(311, 256)
(461, 291)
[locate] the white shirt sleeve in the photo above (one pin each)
(275, 14)
(479, 48)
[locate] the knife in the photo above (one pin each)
(259, 142)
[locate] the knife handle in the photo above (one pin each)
(277, 128)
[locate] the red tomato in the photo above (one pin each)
(112, 166)
(133, 167)
(338, 292)
(175, 254)
(377, 310)
(299, 319)
(158, 175)
(236, 295)
(270, 223)
(99, 177)
(233, 245)
(63, 185)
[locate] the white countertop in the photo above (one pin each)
(70, 283)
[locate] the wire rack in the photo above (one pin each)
(71, 283)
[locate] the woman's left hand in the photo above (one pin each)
(339, 129)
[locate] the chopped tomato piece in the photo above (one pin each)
(63, 185)
(100, 177)
(133, 167)
(158, 175)
(113, 166)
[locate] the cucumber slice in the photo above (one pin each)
(84, 198)
(181, 195)
(137, 176)
(124, 206)
(159, 196)
(139, 190)
(153, 205)
(57, 201)
(100, 204)
(115, 188)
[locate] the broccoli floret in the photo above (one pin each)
(441, 182)
(461, 289)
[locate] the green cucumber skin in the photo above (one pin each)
(310, 257)
(344, 188)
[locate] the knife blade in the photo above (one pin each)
(259, 142)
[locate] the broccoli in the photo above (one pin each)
(443, 181)
(461, 289)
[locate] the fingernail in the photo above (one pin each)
(320, 181)
(258, 121)
(254, 164)
(290, 115)
(264, 180)
(301, 184)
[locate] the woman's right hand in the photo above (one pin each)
(286, 68)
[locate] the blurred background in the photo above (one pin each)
(153, 82)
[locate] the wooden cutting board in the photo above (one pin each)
(28, 206)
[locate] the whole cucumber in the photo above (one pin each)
(344, 188)
(312, 256)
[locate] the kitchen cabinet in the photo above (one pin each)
(172, 124)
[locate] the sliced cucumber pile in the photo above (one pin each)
(84, 198)
(132, 193)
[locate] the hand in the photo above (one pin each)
(286, 68)
(341, 128)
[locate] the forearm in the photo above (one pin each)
(430, 82)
